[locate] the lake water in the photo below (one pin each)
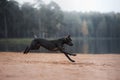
(80, 46)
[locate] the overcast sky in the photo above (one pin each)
(85, 5)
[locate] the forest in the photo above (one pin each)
(22, 21)
(49, 21)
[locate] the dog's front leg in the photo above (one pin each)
(63, 49)
(69, 58)
(66, 54)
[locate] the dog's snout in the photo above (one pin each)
(71, 44)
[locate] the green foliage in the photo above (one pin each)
(17, 41)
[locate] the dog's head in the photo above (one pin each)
(68, 40)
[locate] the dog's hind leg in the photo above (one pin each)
(27, 50)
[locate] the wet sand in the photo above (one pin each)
(40, 66)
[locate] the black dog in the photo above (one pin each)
(52, 45)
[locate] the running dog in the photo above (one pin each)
(52, 45)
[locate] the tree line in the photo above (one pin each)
(48, 20)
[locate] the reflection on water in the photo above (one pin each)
(80, 46)
(98, 46)
(85, 48)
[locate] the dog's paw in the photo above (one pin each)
(24, 53)
(72, 61)
(73, 54)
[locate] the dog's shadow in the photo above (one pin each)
(81, 64)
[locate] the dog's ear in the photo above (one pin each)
(68, 36)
